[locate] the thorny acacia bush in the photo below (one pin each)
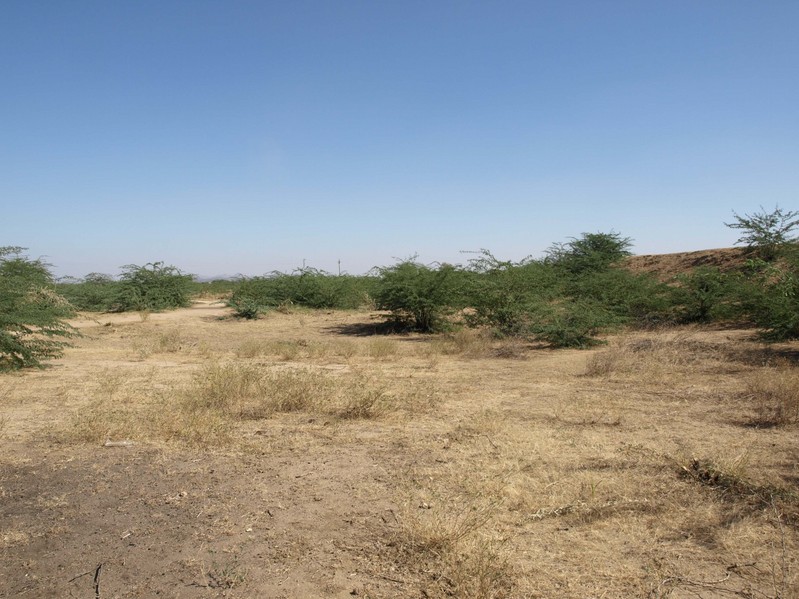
(419, 296)
(568, 298)
(769, 296)
(767, 234)
(506, 295)
(308, 287)
(31, 312)
(705, 294)
(591, 252)
(96, 292)
(154, 286)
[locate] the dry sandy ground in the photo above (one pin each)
(352, 464)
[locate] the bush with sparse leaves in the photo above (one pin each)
(767, 234)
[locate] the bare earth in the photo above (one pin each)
(187, 454)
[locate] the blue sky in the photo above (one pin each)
(241, 137)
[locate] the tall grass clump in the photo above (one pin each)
(774, 394)
(456, 544)
(244, 391)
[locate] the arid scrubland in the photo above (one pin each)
(189, 454)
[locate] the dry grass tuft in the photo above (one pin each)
(220, 396)
(293, 350)
(364, 402)
(774, 395)
(157, 342)
(730, 480)
(248, 392)
(453, 551)
(103, 419)
(468, 343)
(475, 343)
(381, 349)
(170, 342)
(512, 348)
(656, 356)
(287, 351)
(251, 348)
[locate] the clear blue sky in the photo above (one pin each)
(246, 136)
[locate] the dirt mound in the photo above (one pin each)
(668, 266)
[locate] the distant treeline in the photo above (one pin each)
(569, 298)
(576, 292)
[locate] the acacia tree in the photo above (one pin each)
(31, 312)
(589, 253)
(766, 233)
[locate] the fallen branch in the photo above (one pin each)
(125, 443)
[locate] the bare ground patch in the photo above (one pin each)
(289, 457)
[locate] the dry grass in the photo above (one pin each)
(381, 349)
(9, 538)
(774, 395)
(156, 341)
(453, 550)
(659, 356)
(297, 349)
(205, 411)
(475, 344)
(566, 474)
(468, 343)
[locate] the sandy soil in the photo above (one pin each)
(497, 469)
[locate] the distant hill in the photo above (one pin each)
(667, 266)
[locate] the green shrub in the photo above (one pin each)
(566, 299)
(153, 286)
(504, 294)
(770, 296)
(419, 296)
(571, 323)
(637, 299)
(306, 287)
(590, 253)
(96, 292)
(32, 328)
(705, 294)
(245, 307)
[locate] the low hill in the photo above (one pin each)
(667, 266)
